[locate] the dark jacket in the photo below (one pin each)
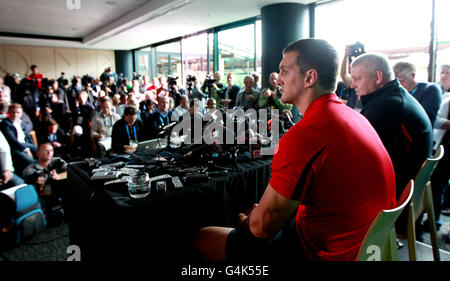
(120, 135)
(430, 97)
(232, 94)
(403, 127)
(10, 133)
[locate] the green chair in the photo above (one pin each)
(422, 202)
(380, 242)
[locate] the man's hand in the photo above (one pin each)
(267, 93)
(243, 219)
(56, 144)
(128, 148)
(29, 153)
(41, 181)
(250, 98)
(348, 51)
(6, 177)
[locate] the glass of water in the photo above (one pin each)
(139, 185)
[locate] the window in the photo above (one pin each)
(443, 34)
(195, 57)
(399, 29)
(168, 60)
(237, 52)
(143, 61)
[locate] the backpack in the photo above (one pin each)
(7, 225)
(30, 218)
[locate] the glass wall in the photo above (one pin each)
(443, 34)
(236, 49)
(143, 61)
(401, 32)
(195, 57)
(168, 60)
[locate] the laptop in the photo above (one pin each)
(149, 145)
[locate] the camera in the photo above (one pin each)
(357, 49)
(210, 81)
(136, 76)
(190, 80)
(171, 81)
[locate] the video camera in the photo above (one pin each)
(171, 81)
(357, 49)
(210, 81)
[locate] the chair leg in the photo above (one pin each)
(393, 251)
(411, 234)
(432, 222)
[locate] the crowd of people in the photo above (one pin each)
(390, 124)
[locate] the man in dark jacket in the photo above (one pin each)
(21, 143)
(127, 131)
(229, 93)
(427, 94)
(399, 119)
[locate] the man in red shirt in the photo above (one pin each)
(36, 76)
(330, 171)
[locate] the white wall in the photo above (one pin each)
(52, 61)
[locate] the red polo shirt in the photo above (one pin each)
(334, 163)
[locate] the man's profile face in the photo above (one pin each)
(407, 81)
(445, 78)
(290, 79)
(362, 82)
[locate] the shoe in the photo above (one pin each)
(446, 212)
(426, 226)
(399, 244)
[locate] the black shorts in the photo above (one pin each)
(284, 246)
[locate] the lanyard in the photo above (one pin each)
(414, 91)
(54, 137)
(128, 131)
(110, 120)
(165, 118)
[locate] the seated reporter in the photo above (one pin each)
(48, 175)
(53, 134)
(21, 143)
(126, 130)
(7, 177)
(102, 125)
(161, 117)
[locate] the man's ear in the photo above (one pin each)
(311, 78)
(379, 77)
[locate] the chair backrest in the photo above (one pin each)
(421, 180)
(30, 218)
(380, 242)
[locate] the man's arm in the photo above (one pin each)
(270, 215)
(345, 76)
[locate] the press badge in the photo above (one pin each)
(80, 120)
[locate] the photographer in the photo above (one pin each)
(212, 87)
(344, 91)
(194, 92)
(174, 91)
(48, 175)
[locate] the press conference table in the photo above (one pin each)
(107, 224)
